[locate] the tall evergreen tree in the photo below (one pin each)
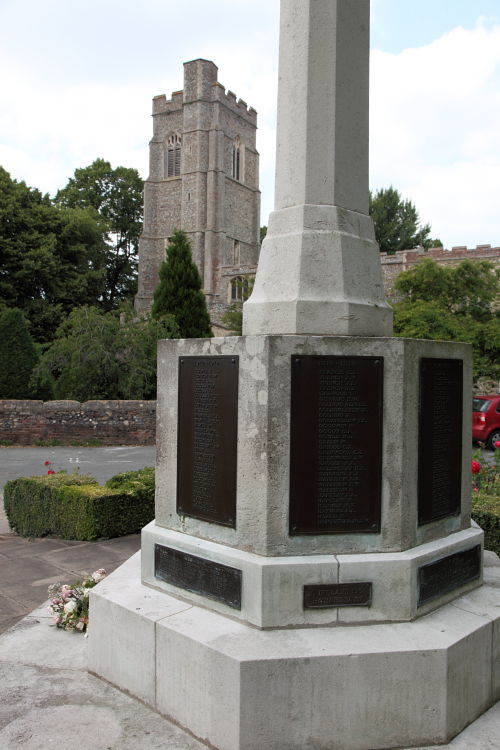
(18, 355)
(179, 291)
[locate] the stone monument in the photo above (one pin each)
(312, 578)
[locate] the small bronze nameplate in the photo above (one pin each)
(336, 444)
(440, 439)
(207, 438)
(210, 579)
(449, 573)
(319, 596)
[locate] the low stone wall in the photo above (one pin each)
(70, 422)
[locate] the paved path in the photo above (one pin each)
(29, 566)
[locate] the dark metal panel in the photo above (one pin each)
(320, 596)
(211, 579)
(439, 578)
(336, 444)
(440, 439)
(207, 438)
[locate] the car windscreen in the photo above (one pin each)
(480, 404)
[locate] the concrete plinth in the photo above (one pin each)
(272, 587)
(351, 688)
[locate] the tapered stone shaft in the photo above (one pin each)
(319, 270)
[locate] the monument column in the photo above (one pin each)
(312, 578)
(319, 270)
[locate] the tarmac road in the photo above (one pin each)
(28, 566)
(102, 463)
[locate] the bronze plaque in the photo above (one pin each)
(449, 573)
(320, 596)
(207, 438)
(210, 579)
(336, 444)
(440, 439)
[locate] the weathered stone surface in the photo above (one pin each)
(377, 686)
(263, 446)
(319, 270)
(220, 211)
(67, 422)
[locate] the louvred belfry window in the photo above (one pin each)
(174, 146)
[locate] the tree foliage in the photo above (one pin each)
(97, 355)
(179, 291)
(454, 303)
(18, 355)
(233, 315)
(115, 195)
(396, 222)
(51, 259)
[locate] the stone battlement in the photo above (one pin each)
(206, 87)
(403, 260)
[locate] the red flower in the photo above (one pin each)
(51, 471)
(476, 467)
(46, 463)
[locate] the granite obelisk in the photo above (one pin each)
(319, 269)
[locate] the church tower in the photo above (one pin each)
(203, 179)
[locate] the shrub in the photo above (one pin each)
(486, 497)
(77, 507)
(486, 513)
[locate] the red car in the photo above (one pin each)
(486, 420)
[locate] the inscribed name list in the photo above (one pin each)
(440, 439)
(336, 444)
(207, 438)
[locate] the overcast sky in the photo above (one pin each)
(77, 79)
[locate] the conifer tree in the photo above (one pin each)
(179, 291)
(18, 355)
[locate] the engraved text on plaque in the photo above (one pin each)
(207, 438)
(336, 444)
(319, 596)
(440, 439)
(213, 580)
(449, 573)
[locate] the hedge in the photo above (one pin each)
(71, 506)
(486, 513)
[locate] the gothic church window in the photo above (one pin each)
(236, 163)
(240, 289)
(236, 253)
(173, 156)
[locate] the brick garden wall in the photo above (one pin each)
(70, 422)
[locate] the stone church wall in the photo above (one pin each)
(403, 260)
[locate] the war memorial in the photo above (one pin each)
(312, 579)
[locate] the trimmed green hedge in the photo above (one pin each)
(486, 513)
(77, 507)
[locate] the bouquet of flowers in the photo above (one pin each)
(69, 604)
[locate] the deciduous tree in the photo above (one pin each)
(116, 196)
(51, 258)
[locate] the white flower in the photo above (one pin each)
(70, 606)
(98, 575)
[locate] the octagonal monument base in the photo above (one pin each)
(345, 688)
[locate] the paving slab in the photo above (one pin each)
(47, 698)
